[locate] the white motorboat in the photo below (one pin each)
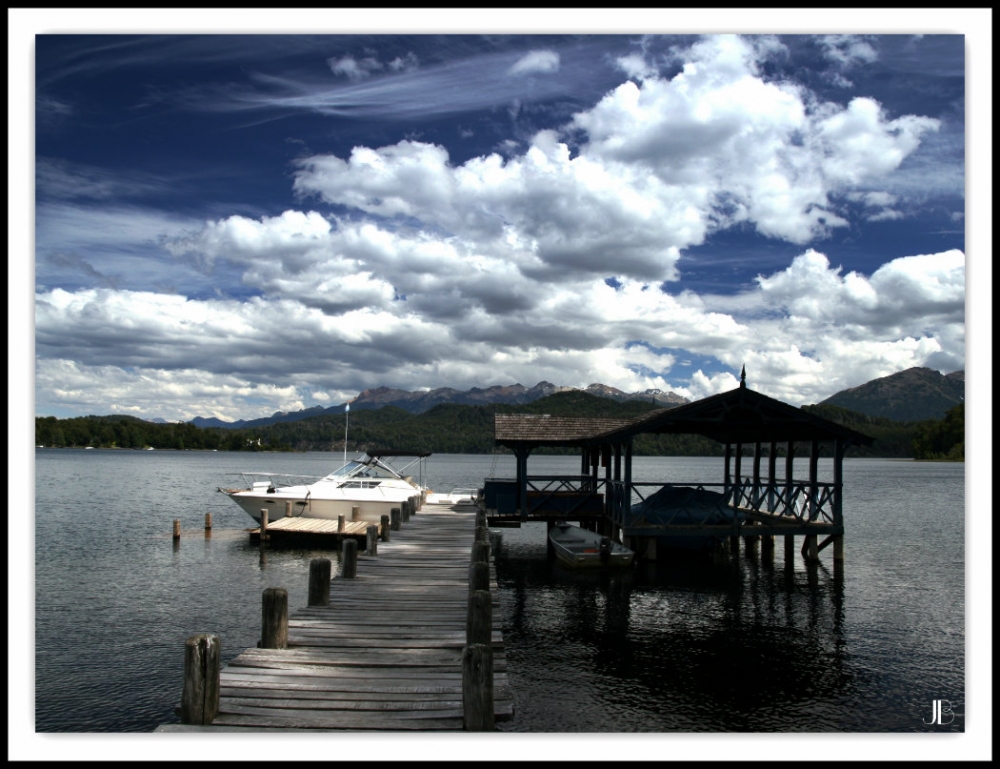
(579, 547)
(368, 483)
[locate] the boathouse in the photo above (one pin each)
(757, 497)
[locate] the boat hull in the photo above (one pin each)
(583, 549)
(370, 509)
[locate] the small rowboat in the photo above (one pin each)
(582, 548)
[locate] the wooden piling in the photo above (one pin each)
(394, 516)
(319, 581)
(789, 549)
(202, 667)
(263, 527)
(477, 688)
(405, 509)
(349, 553)
(481, 551)
(288, 509)
(274, 619)
(340, 524)
(355, 513)
(385, 528)
(208, 522)
(810, 548)
(479, 622)
(177, 529)
(479, 576)
(371, 531)
(838, 548)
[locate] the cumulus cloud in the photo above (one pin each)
(426, 271)
(663, 164)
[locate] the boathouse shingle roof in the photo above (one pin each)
(738, 416)
(545, 430)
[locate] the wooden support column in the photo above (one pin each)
(789, 476)
(349, 558)
(728, 478)
(319, 581)
(202, 667)
(813, 477)
(772, 480)
(521, 457)
(737, 474)
(627, 495)
(838, 500)
(756, 475)
(274, 618)
(477, 688)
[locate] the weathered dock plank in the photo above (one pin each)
(384, 655)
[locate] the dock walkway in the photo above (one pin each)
(385, 655)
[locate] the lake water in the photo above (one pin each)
(746, 645)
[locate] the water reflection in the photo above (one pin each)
(693, 643)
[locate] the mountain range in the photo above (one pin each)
(906, 396)
(910, 395)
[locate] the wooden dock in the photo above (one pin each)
(321, 528)
(385, 655)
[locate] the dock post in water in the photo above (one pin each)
(355, 513)
(479, 623)
(200, 698)
(340, 524)
(288, 509)
(810, 548)
(177, 529)
(477, 688)
(481, 551)
(479, 576)
(263, 527)
(349, 567)
(371, 532)
(208, 522)
(394, 518)
(385, 528)
(319, 581)
(404, 510)
(274, 619)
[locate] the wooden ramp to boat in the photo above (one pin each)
(385, 655)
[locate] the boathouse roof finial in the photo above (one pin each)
(743, 376)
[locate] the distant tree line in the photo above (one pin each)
(459, 429)
(942, 439)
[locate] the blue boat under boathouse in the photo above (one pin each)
(757, 497)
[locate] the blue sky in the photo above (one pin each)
(232, 225)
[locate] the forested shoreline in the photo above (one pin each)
(459, 429)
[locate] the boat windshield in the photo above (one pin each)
(370, 467)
